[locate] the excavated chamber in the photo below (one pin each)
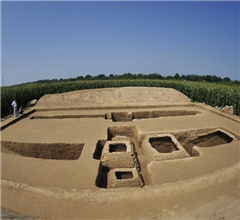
(119, 154)
(124, 177)
(162, 147)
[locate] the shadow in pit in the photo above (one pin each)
(117, 133)
(54, 151)
(201, 138)
(98, 150)
(163, 144)
(101, 180)
(129, 116)
(122, 133)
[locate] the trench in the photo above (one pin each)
(66, 116)
(129, 116)
(54, 151)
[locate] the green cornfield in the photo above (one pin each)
(213, 94)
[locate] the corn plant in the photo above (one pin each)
(212, 94)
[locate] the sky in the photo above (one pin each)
(46, 40)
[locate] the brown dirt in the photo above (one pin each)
(124, 175)
(201, 138)
(205, 186)
(98, 150)
(129, 116)
(163, 144)
(121, 116)
(67, 116)
(122, 133)
(117, 148)
(212, 139)
(140, 115)
(228, 110)
(8, 214)
(157, 114)
(112, 96)
(55, 151)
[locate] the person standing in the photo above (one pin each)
(14, 105)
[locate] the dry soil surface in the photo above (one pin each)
(202, 186)
(112, 96)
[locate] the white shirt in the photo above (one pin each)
(14, 104)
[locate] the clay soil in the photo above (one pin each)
(51, 159)
(163, 145)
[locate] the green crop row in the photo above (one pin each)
(211, 94)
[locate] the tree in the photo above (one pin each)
(226, 79)
(176, 76)
(88, 77)
(101, 76)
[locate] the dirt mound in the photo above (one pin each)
(112, 96)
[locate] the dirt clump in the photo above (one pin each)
(228, 109)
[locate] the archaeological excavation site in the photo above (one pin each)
(121, 153)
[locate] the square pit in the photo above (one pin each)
(121, 116)
(119, 154)
(124, 177)
(162, 147)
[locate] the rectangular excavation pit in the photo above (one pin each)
(128, 133)
(157, 147)
(54, 151)
(212, 139)
(117, 147)
(163, 144)
(121, 116)
(124, 177)
(119, 154)
(203, 138)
